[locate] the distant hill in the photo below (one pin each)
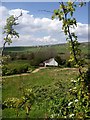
(60, 48)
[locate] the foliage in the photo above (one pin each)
(46, 84)
(15, 68)
(73, 106)
(6, 59)
(59, 60)
(9, 31)
(75, 102)
(65, 14)
(35, 57)
(24, 103)
(69, 108)
(33, 54)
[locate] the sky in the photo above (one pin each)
(36, 27)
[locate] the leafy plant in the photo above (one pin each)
(23, 103)
(78, 104)
(9, 31)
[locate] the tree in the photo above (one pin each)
(78, 106)
(65, 14)
(26, 101)
(9, 31)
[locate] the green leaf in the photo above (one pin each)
(53, 17)
(56, 12)
(71, 13)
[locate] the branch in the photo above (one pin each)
(70, 36)
(3, 47)
(61, 2)
(16, 18)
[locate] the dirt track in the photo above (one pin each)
(24, 74)
(36, 70)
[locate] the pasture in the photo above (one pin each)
(60, 48)
(49, 84)
(46, 83)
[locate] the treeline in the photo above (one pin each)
(37, 57)
(22, 62)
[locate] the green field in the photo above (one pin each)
(49, 84)
(53, 80)
(21, 59)
(60, 48)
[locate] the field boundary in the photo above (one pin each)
(34, 71)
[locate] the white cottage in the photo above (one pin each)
(50, 62)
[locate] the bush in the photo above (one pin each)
(11, 69)
(61, 60)
(68, 64)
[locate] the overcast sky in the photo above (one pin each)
(36, 27)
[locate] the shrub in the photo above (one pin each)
(11, 69)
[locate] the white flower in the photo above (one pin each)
(76, 100)
(74, 88)
(74, 81)
(65, 117)
(70, 89)
(52, 116)
(71, 115)
(70, 103)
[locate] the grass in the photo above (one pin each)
(45, 78)
(48, 79)
(60, 48)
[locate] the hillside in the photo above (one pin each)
(60, 48)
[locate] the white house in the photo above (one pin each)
(50, 62)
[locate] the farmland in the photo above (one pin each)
(27, 58)
(55, 81)
(60, 48)
(49, 85)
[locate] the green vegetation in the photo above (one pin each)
(16, 67)
(51, 92)
(17, 59)
(60, 48)
(46, 84)
(78, 106)
(9, 31)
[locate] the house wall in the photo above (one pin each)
(51, 63)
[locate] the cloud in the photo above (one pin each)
(35, 30)
(26, 39)
(81, 31)
(30, 23)
(3, 11)
(46, 39)
(3, 15)
(16, 12)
